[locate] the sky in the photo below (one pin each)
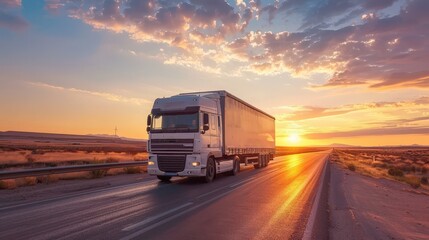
(352, 71)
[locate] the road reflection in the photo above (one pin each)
(301, 173)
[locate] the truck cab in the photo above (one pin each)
(184, 132)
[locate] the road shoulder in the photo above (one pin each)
(362, 207)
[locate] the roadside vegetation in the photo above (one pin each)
(408, 165)
(18, 154)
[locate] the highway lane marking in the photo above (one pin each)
(136, 234)
(150, 227)
(151, 182)
(236, 184)
(308, 231)
(239, 183)
(153, 218)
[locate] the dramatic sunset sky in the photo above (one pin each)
(330, 71)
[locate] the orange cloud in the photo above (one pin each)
(105, 95)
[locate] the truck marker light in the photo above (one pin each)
(150, 163)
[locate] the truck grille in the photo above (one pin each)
(171, 146)
(172, 163)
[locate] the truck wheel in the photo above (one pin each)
(236, 166)
(210, 171)
(164, 178)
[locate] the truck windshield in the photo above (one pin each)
(175, 122)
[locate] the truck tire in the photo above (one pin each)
(164, 178)
(259, 164)
(264, 162)
(210, 171)
(236, 166)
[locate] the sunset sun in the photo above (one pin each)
(294, 138)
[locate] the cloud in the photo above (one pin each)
(386, 52)
(354, 42)
(406, 117)
(10, 3)
(8, 18)
(370, 132)
(299, 113)
(105, 95)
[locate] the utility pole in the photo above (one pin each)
(116, 131)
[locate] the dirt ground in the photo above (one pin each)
(363, 207)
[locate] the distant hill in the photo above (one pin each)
(340, 145)
(35, 141)
(60, 136)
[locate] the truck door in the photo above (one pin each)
(214, 131)
(205, 138)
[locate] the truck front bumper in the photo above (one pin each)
(190, 170)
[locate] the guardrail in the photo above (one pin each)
(67, 169)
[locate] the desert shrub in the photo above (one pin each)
(8, 184)
(30, 181)
(99, 173)
(424, 180)
(351, 167)
(133, 170)
(2, 184)
(379, 164)
(47, 179)
(30, 159)
(404, 168)
(111, 160)
(413, 181)
(395, 172)
(50, 164)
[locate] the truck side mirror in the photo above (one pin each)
(205, 122)
(148, 122)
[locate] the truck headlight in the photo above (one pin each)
(150, 163)
(196, 164)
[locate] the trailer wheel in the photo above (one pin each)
(265, 162)
(164, 178)
(259, 164)
(236, 166)
(210, 170)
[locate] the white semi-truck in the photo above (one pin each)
(203, 134)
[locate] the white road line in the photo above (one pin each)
(208, 193)
(308, 232)
(144, 184)
(153, 218)
(138, 233)
(239, 183)
(168, 219)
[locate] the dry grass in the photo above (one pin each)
(407, 165)
(134, 170)
(8, 184)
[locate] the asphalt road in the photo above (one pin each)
(269, 203)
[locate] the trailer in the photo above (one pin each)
(202, 134)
